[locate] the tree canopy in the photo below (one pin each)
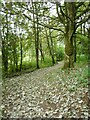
(38, 29)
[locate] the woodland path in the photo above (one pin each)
(41, 73)
(46, 92)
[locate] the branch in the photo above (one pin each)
(40, 15)
(83, 21)
(85, 11)
(79, 5)
(60, 18)
(47, 26)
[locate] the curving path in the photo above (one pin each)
(47, 92)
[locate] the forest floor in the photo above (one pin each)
(47, 92)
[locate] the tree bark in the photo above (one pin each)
(75, 49)
(36, 30)
(42, 55)
(68, 61)
(50, 51)
(69, 32)
(21, 54)
(5, 48)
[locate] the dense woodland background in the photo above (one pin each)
(39, 34)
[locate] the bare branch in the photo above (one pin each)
(47, 26)
(83, 21)
(60, 18)
(84, 11)
(79, 5)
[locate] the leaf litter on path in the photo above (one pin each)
(47, 92)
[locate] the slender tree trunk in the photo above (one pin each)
(89, 62)
(4, 57)
(16, 56)
(42, 56)
(36, 32)
(81, 26)
(84, 28)
(75, 49)
(52, 49)
(89, 45)
(37, 40)
(5, 49)
(37, 47)
(16, 63)
(52, 57)
(21, 54)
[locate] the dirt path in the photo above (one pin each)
(44, 71)
(45, 92)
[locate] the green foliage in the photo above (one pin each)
(82, 58)
(19, 36)
(78, 74)
(29, 65)
(47, 62)
(59, 54)
(82, 44)
(83, 79)
(0, 66)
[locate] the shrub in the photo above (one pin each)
(59, 54)
(47, 62)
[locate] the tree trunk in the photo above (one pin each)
(37, 38)
(69, 32)
(15, 50)
(50, 51)
(5, 48)
(4, 57)
(68, 60)
(75, 49)
(81, 27)
(89, 46)
(21, 54)
(36, 32)
(42, 55)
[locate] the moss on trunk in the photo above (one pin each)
(68, 61)
(69, 53)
